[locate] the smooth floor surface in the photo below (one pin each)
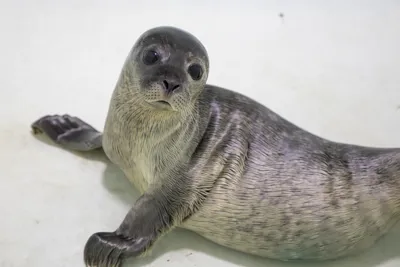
(332, 67)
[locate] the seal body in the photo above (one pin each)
(274, 190)
(221, 164)
(284, 193)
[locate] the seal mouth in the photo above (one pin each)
(161, 104)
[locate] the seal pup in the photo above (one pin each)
(223, 165)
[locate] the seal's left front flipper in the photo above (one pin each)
(69, 132)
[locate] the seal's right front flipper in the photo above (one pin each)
(156, 212)
(69, 132)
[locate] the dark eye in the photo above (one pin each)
(195, 71)
(150, 57)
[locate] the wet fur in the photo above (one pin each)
(240, 175)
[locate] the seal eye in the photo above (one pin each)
(150, 57)
(195, 71)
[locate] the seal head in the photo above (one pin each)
(168, 68)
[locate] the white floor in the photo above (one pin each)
(332, 67)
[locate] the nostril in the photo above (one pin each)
(166, 84)
(170, 86)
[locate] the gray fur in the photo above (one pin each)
(230, 169)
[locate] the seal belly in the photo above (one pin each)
(297, 211)
(134, 167)
(283, 227)
(119, 150)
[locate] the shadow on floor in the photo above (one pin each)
(114, 180)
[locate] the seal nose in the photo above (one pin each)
(170, 86)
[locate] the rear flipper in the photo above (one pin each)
(69, 132)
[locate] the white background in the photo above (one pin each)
(331, 67)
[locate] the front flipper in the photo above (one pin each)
(69, 132)
(152, 215)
